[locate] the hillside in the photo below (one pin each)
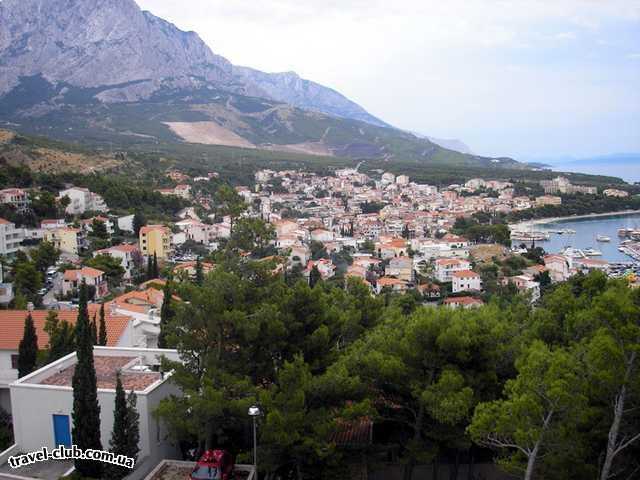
(104, 72)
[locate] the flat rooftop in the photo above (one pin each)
(106, 370)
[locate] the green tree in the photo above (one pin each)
(167, 314)
(133, 430)
(253, 235)
(155, 271)
(27, 279)
(314, 276)
(28, 348)
(139, 221)
(102, 331)
(94, 331)
(86, 409)
(119, 442)
(61, 337)
(229, 203)
(44, 256)
(542, 403)
(199, 273)
(111, 266)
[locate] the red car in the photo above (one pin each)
(213, 465)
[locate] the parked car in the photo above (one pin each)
(213, 465)
(42, 292)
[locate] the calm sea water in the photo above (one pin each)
(586, 231)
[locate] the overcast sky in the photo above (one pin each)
(525, 78)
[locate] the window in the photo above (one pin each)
(14, 362)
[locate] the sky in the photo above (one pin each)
(531, 79)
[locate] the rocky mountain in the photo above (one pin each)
(105, 71)
(288, 87)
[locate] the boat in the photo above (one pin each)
(603, 238)
(529, 236)
(591, 252)
(569, 231)
(572, 252)
(623, 232)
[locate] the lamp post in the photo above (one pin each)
(254, 412)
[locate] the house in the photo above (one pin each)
(559, 267)
(195, 230)
(68, 240)
(155, 239)
(189, 268)
(16, 197)
(82, 200)
(300, 254)
(395, 247)
(326, 268)
(465, 281)
(43, 401)
(392, 284)
(53, 224)
(429, 291)
(119, 330)
(72, 279)
(401, 268)
(445, 267)
(587, 265)
(10, 238)
(464, 302)
(129, 256)
(548, 200)
(125, 223)
(182, 191)
(6, 293)
(321, 235)
(524, 283)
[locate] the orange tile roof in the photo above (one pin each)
(139, 301)
(77, 275)
(151, 228)
(465, 274)
(463, 301)
(4, 222)
(12, 325)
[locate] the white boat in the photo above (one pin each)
(569, 231)
(603, 238)
(529, 236)
(591, 252)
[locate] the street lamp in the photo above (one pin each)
(254, 412)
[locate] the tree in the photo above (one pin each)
(229, 203)
(119, 441)
(44, 256)
(139, 221)
(133, 430)
(94, 331)
(155, 271)
(61, 337)
(253, 235)
(314, 276)
(541, 404)
(150, 268)
(111, 266)
(27, 279)
(167, 313)
(102, 332)
(199, 272)
(28, 348)
(86, 409)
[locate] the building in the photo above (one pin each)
(129, 256)
(391, 284)
(155, 239)
(429, 291)
(526, 284)
(82, 200)
(10, 238)
(548, 200)
(94, 278)
(326, 268)
(402, 180)
(119, 333)
(401, 268)
(564, 186)
(446, 267)
(53, 224)
(388, 178)
(43, 401)
(68, 240)
(465, 281)
(463, 302)
(15, 197)
(559, 267)
(613, 192)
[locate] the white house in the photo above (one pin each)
(129, 256)
(119, 333)
(10, 238)
(465, 281)
(93, 277)
(82, 200)
(322, 235)
(445, 267)
(43, 401)
(16, 197)
(559, 267)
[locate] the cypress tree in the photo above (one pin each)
(199, 273)
(149, 267)
(133, 430)
(314, 276)
(86, 409)
(166, 315)
(28, 349)
(155, 271)
(102, 334)
(119, 438)
(94, 331)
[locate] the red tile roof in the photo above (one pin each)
(12, 325)
(465, 274)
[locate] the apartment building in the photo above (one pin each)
(129, 256)
(10, 238)
(15, 197)
(446, 267)
(67, 240)
(465, 281)
(94, 278)
(155, 239)
(82, 200)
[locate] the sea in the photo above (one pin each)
(586, 231)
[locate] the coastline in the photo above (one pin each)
(527, 224)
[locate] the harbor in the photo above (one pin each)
(612, 237)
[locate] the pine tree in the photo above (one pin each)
(94, 331)
(199, 273)
(119, 434)
(156, 272)
(86, 409)
(166, 315)
(102, 334)
(28, 349)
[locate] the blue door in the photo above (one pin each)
(61, 431)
